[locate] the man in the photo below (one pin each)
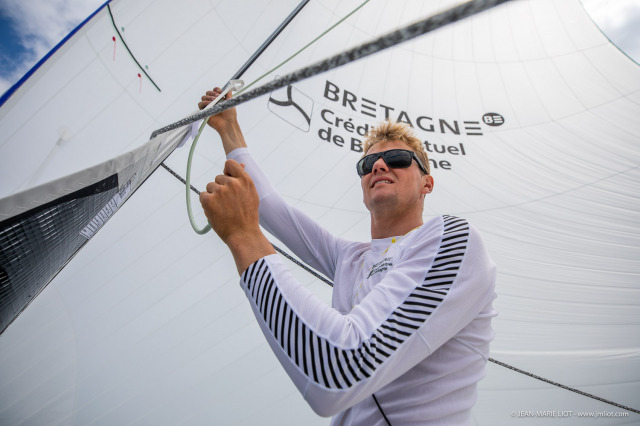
(407, 337)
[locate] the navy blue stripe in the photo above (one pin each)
(321, 363)
(395, 330)
(281, 322)
(351, 370)
(304, 348)
(312, 353)
(295, 339)
(339, 362)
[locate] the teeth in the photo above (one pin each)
(381, 181)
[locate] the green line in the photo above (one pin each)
(129, 50)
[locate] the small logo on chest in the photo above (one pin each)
(381, 266)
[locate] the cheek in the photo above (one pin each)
(414, 187)
(364, 189)
(365, 182)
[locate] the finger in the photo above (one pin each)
(210, 95)
(205, 100)
(204, 198)
(211, 187)
(233, 169)
(222, 180)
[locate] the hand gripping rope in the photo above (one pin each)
(231, 86)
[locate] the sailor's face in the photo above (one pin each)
(397, 188)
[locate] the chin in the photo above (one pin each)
(381, 201)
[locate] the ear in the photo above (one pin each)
(427, 184)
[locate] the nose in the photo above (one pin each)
(379, 166)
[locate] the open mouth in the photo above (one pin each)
(380, 181)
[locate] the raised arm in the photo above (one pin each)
(310, 241)
(225, 123)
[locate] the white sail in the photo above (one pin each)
(531, 117)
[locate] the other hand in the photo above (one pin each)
(231, 204)
(222, 121)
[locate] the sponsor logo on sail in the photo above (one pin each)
(344, 119)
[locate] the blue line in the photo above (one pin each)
(5, 97)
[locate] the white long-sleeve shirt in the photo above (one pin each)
(410, 321)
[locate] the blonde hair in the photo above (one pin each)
(388, 131)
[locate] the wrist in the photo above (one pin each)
(247, 248)
(227, 128)
(232, 137)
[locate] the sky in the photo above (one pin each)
(30, 28)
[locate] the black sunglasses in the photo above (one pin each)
(394, 158)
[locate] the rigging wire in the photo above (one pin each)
(560, 385)
(269, 40)
(303, 48)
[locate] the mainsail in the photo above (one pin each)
(530, 117)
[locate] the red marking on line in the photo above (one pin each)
(114, 47)
(140, 77)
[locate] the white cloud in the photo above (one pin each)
(619, 20)
(43, 23)
(39, 25)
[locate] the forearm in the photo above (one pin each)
(225, 123)
(301, 234)
(232, 137)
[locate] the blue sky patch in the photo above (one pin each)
(12, 52)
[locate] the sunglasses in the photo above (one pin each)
(394, 158)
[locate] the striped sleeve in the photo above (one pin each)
(337, 360)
